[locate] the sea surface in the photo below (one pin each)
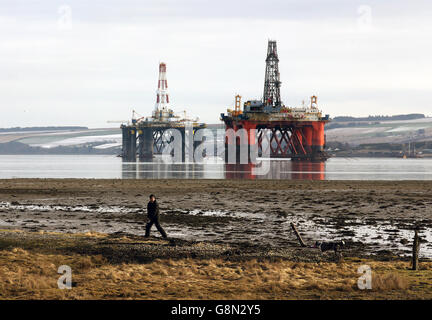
(112, 167)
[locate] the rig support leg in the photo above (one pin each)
(125, 142)
(130, 144)
(145, 148)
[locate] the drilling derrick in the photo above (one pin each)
(162, 98)
(275, 129)
(272, 78)
(161, 111)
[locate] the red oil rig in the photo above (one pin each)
(296, 133)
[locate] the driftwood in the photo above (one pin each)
(416, 251)
(299, 238)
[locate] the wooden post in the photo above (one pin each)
(298, 235)
(416, 250)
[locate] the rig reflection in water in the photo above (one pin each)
(277, 169)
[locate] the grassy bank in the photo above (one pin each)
(30, 272)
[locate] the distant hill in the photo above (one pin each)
(215, 125)
(411, 116)
(25, 129)
(22, 148)
(395, 129)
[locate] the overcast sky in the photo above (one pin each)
(84, 62)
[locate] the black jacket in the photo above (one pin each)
(153, 210)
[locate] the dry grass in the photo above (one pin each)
(27, 275)
(390, 281)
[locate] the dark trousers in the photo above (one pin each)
(154, 221)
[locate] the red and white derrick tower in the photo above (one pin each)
(162, 98)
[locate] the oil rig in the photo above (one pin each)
(147, 136)
(296, 133)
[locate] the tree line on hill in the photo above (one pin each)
(411, 116)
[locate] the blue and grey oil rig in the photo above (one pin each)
(146, 136)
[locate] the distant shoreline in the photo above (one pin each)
(36, 129)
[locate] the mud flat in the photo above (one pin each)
(373, 217)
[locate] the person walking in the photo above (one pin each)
(153, 215)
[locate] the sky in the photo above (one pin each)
(85, 63)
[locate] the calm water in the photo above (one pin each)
(95, 166)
